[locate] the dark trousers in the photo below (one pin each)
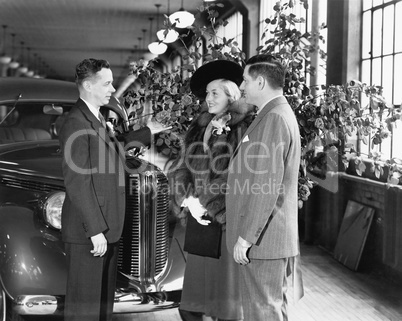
(190, 316)
(91, 283)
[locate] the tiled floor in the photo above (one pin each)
(332, 293)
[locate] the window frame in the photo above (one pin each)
(375, 60)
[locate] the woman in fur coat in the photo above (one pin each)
(198, 179)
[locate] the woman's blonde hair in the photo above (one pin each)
(230, 89)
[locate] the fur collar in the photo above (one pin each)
(238, 110)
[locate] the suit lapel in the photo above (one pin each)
(95, 123)
(265, 110)
(98, 127)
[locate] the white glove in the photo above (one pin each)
(196, 209)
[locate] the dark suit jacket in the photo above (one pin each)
(94, 178)
(261, 203)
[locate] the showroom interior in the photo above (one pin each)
(347, 43)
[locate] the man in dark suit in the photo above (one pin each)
(94, 207)
(261, 204)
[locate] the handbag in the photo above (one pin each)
(203, 240)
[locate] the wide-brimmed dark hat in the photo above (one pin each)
(217, 69)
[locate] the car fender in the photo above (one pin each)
(32, 258)
(173, 279)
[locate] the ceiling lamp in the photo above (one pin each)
(4, 59)
(36, 66)
(167, 35)
(22, 69)
(29, 73)
(143, 38)
(182, 18)
(13, 64)
(156, 47)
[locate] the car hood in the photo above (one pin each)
(41, 159)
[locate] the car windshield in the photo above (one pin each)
(31, 121)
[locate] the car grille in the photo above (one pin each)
(145, 240)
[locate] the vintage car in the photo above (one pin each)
(32, 257)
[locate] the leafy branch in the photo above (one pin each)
(327, 115)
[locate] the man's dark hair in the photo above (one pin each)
(88, 69)
(268, 67)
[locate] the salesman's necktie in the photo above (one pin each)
(102, 119)
(109, 129)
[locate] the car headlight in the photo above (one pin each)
(51, 206)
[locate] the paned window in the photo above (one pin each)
(233, 30)
(381, 62)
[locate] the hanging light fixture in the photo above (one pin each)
(139, 47)
(46, 70)
(14, 64)
(167, 35)
(182, 18)
(30, 72)
(22, 69)
(156, 47)
(4, 59)
(36, 66)
(143, 38)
